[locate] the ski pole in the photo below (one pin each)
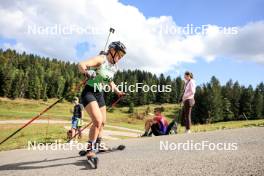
(41, 113)
(111, 31)
(179, 113)
(114, 103)
(80, 131)
(30, 121)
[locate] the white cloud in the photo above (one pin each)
(148, 47)
(247, 44)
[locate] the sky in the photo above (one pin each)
(158, 34)
(221, 13)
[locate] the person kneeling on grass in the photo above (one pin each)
(157, 125)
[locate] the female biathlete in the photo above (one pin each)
(99, 70)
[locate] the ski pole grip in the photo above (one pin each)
(112, 30)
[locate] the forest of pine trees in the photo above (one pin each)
(229, 102)
(33, 77)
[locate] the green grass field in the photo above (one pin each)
(34, 132)
(26, 109)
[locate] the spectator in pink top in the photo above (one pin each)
(188, 100)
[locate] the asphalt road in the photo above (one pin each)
(143, 156)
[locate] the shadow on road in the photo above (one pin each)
(28, 165)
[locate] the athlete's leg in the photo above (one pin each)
(148, 125)
(94, 112)
(103, 112)
(100, 145)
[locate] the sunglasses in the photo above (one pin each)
(120, 54)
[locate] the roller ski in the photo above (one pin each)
(112, 149)
(92, 159)
(100, 148)
(108, 150)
